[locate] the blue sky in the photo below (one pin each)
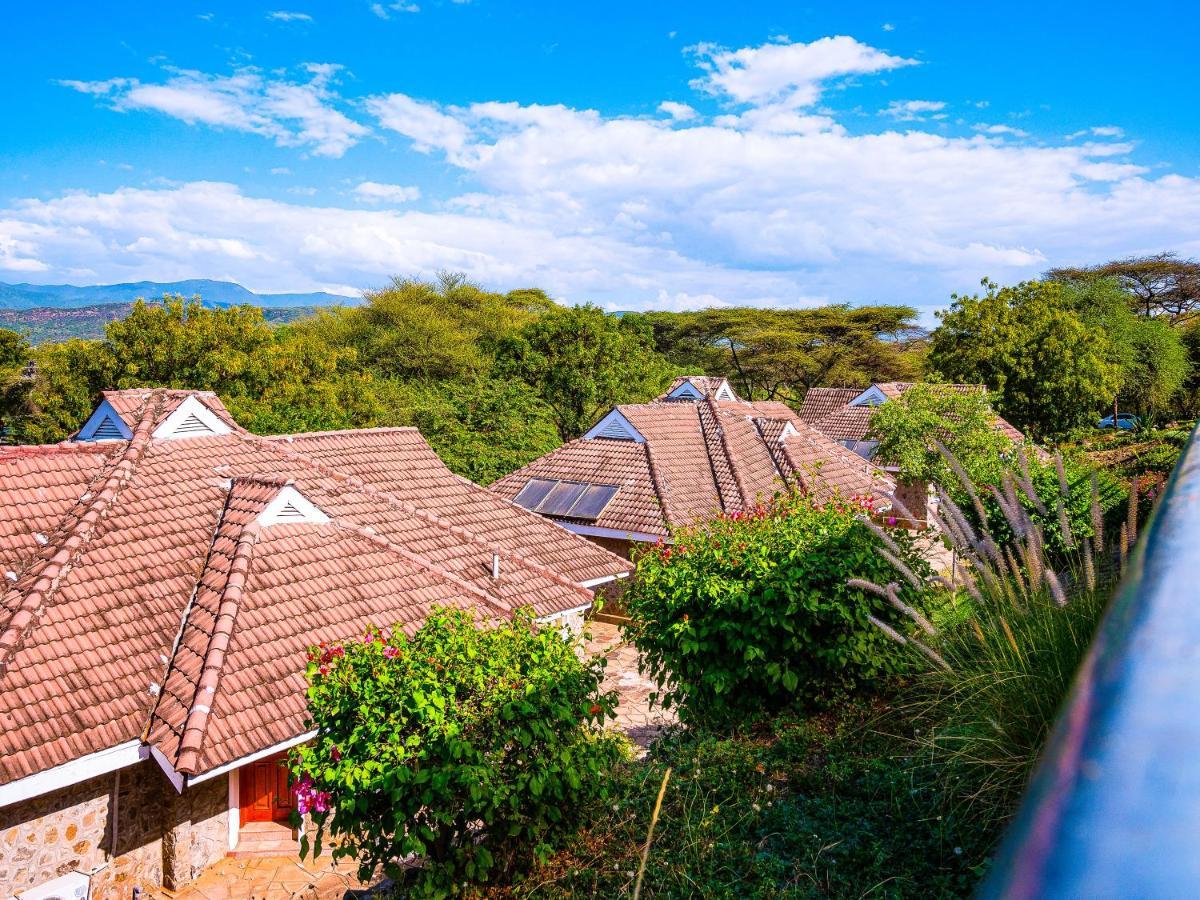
(669, 155)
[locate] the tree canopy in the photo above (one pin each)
(778, 354)
(1160, 285)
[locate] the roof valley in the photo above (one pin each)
(75, 540)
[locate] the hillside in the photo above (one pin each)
(44, 324)
(218, 293)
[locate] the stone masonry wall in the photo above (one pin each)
(161, 836)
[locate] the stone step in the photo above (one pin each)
(260, 839)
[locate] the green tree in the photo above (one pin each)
(14, 357)
(778, 354)
(472, 747)
(753, 612)
(425, 330)
(1049, 369)
(1159, 285)
(910, 428)
(581, 361)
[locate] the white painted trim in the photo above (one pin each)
(615, 416)
(725, 392)
(104, 411)
(872, 396)
(235, 808)
(90, 766)
(596, 582)
(191, 406)
(546, 620)
(598, 531)
(178, 779)
(288, 495)
(253, 757)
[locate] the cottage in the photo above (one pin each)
(165, 571)
(693, 453)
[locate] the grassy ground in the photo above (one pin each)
(831, 805)
(1134, 453)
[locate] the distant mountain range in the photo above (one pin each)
(213, 293)
(45, 324)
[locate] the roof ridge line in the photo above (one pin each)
(75, 539)
(737, 476)
(660, 486)
(379, 429)
(713, 452)
(378, 539)
(411, 508)
(783, 464)
(188, 757)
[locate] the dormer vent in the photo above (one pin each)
(191, 419)
(290, 507)
(615, 427)
(104, 425)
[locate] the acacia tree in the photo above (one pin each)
(1049, 369)
(778, 354)
(1162, 284)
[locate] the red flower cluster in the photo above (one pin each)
(324, 655)
(309, 799)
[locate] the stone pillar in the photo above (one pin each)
(195, 830)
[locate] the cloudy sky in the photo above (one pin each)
(637, 155)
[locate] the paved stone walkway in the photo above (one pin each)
(274, 878)
(635, 715)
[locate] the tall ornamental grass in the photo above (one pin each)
(1008, 631)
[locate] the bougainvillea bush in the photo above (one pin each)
(467, 747)
(753, 611)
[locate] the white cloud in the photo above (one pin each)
(1000, 130)
(915, 110)
(385, 10)
(428, 127)
(792, 73)
(769, 203)
(1102, 131)
(281, 170)
(888, 26)
(293, 114)
(283, 15)
(680, 112)
(374, 192)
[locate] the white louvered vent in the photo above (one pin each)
(191, 419)
(614, 430)
(192, 425)
(290, 507)
(107, 430)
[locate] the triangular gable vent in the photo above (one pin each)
(686, 391)
(872, 396)
(615, 427)
(725, 392)
(290, 507)
(191, 419)
(104, 425)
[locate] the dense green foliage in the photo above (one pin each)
(839, 804)
(1159, 285)
(778, 354)
(753, 611)
(1056, 353)
(473, 747)
(1049, 369)
(911, 428)
(582, 362)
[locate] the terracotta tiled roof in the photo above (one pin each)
(700, 459)
(118, 549)
(707, 385)
(821, 401)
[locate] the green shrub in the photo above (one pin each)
(470, 747)
(753, 611)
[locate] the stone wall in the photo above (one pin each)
(161, 837)
(915, 496)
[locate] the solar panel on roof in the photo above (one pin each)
(593, 501)
(534, 493)
(561, 498)
(571, 499)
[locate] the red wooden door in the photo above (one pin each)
(263, 789)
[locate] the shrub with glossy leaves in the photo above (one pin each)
(753, 611)
(469, 747)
